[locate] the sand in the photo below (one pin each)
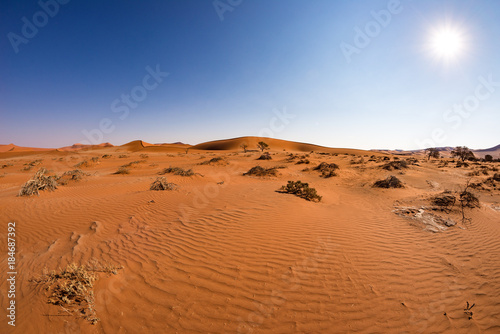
(226, 253)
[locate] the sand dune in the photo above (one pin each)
(226, 253)
(78, 146)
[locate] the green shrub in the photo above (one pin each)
(302, 190)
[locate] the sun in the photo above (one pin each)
(447, 43)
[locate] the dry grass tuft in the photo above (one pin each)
(327, 170)
(265, 156)
(122, 170)
(261, 171)
(390, 182)
(39, 182)
(71, 288)
(302, 190)
(177, 171)
(162, 184)
(72, 175)
(215, 161)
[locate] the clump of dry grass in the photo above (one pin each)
(395, 165)
(162, 184)
(71, 288)
(303, 161)
(122, 170)
(177, 171)
(301, 189)
(133, 163)
(327, 170)
(31, 164)
(390, 182)
(215, 161)
(265, 156)
(106, 156)
(84, 163)
(144, 156)
(444, 201)
(39, 182)
(72, 175)
(122, 156)
(261, 171)
(6, 165)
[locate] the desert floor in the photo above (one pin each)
(226, 253)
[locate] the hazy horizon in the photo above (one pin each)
(365, 75)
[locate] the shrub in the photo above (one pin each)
(327, 170)
(302, 190)
(133, 163)
(303, 161)
(469, 200)
(215, 161)
(262, 146)
(461, 164)
(390, 182)
(177, 171)
(94, 159)
(488, 158)
(265, 156)
(122, 156)
(463, 153)
(144, 156)
(261, 171)
(84, 163)
(39, 182)
(444, 201)
(162, 184)
(122, 170)
(73, 175)
(106, 156)
(395, 165)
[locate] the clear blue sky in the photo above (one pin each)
(228, 78)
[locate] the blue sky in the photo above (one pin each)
(229, 77)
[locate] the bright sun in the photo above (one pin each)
(447, 43)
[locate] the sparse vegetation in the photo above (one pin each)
(72, 175)
(265, 156)
(463, 153)
(133, 163)
(106, 156)
(71, 288)
(177, 171)
(467, 310)
(144, 156)
(302, 190)
(327, 169)
(122, 156)
(39, 182)
(261, 171)
(162, 184)
(244, 147)
(390, 182)
(303, 161)
(444, 201)
(215, 161)
(122, 170)
(395, 165)
(262, 146)
(432, 153)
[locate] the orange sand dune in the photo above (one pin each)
(274, 144)
(79, 146)
(227, 253)
(15, 148)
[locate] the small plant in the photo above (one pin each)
(73, 175)
(133, 163)
(395, 165)
(244, 147)
(390, 182)
(122, 170)
(468, 310)
(327, 170)
(303, 161)
(467, 200)
(106, 156)
(444, 201)
(215, 161)
(302, 190)
(144, 156)
(177, 171)
(261, 171)
(94, 159)
(162, 184)
(38, 183)
(265, 156)
(84, 163)
(122, 156)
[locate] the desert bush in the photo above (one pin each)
(162, 184)
(144, 156)
(122, 156)
(461, 164)
(303, 162)
(469, 200)
(106, 156)
(72, 175)
(122, 170)
(390, 182)
(327, 170)
(71, 288)
(262, 146)
(84, 163)
(39, 182)
(488, 158)
(133, 163)
(6, 165)
(94, 159)
(215, 161)
(302, 190)
(445, 201)
(261, 171)
(177, 171)
(265, 156)
(29, 165)
(496, 177)
(395, 165)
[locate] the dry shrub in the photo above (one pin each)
(106, 156)
(469, 200)
(303, 161)
(71, 288)
(445, 201)
(327, 170)
(133, 163)
(390, 182)
(6, 165)
(144, 156)
(395, 165)
(72, 175)
(84, 163)
(122, 170)
(38, 183)
(261, 171)
(123, 156)
(265, 156)
(177, 171)
(215, 161)
(302, 190)
(162, 184)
